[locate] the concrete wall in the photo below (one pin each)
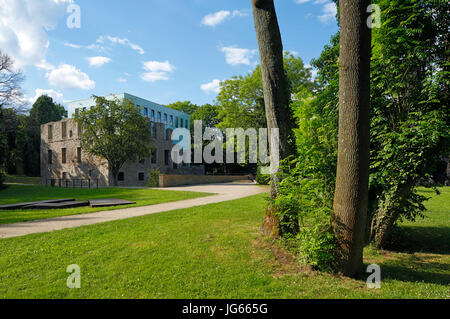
(180, 180)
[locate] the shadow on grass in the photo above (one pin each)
(414, 275)
(411, 239)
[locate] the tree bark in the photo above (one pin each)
(352, 178)
(386, 216)
(276, 94)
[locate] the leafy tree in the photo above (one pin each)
(241, 99)
(240, 102)
(43, 111)
(10, 95)
(410, 126)
(208, 114)
(116, 131)
(186, 107)
(10, 80)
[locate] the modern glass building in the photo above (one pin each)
(155, 112)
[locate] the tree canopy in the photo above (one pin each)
(116, 131)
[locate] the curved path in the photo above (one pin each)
(225, 192)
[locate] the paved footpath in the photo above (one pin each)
(224, 192)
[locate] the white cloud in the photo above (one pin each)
(216, 18)
(329, 10)
(211, 87)
(74, 46)
(156, 71)
(329, 13)
(98, 61)
(69, 77)
(57, 96)
(116, 40)
(121, 80)
(235, 56)
(24, 25)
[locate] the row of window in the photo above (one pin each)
(63, 156)
(164, 118)
(63, 131)
(153, 154)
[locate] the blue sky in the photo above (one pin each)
(161, 50)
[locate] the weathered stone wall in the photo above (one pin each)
(94, 168)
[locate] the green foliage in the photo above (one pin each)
(262, 179)
(186, 107)
(116, 131)
(240, 102)
(410, 119)
(153, 180)
(309, 201)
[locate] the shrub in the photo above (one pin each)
(153, 180)
(308, 201)
(262, 179)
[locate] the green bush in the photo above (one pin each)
(262, 179)
(308, 201)
(153, 180)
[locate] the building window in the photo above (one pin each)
(165, 118)
(176, 121)
(64, 155)
(153, 115)
(153, 129)
(159, 117)
(64, 129)
(168, 134)
(79, 154)
(167, 157)
(70, 133)
(50, 132)
(154, 156)
(145, 112)
(171, 120)
(186, 123)
(121, 177)
(141, 176)
(50, 157)
(181, 123)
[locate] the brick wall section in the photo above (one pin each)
(93, 168)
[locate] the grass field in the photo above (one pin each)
(17, 179)
(213, 251)
(19, 193)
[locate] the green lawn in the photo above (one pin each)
(213, 251)
(19, 193)
(17, 179)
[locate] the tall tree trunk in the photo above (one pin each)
(276, 94)
(386, 216)
(352, 179)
